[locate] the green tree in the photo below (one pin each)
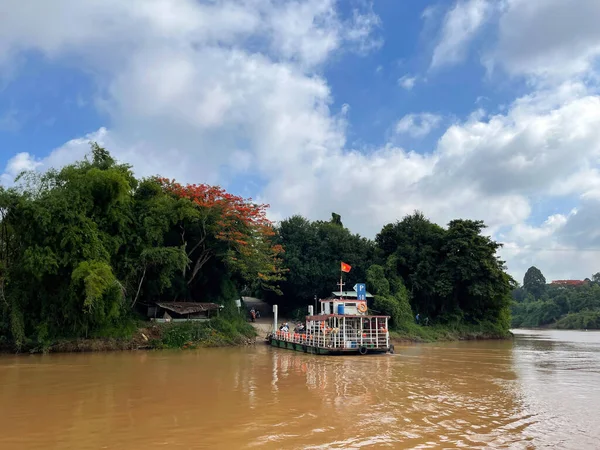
(534, 282)
(83, 246)
(313, 252)
(416, 242)
(452, 274)
(391, 298)
(336, 219)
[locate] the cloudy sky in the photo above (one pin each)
(472, 109)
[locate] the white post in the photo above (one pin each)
(274, 318)
(387, 334)
(309, 324)
(361, 331)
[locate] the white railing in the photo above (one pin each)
(350, 339)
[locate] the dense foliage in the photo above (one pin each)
(447, 275)
(83, 246)
(313, 251)
(539, 304)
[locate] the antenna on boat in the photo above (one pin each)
(341, 286)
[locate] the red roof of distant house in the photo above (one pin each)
(569, 282)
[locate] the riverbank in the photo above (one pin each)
(414, 333)
(582, 320)
(226, 333)
(217, 332)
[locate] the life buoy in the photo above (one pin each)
(362, 350)
(362, 307)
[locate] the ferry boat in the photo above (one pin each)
(342, 327)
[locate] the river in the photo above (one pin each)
(540, 390)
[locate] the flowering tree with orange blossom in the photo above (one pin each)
(231, 228)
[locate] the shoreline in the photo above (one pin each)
(186, 336)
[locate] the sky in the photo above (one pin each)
(473, 109)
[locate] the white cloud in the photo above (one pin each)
(407, 82)
(565, 246)
(197, 91)
(418, 125)
(460, 26)
(548, 39)
(20, 162)
(72, 151)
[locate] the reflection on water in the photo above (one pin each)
(540, 390)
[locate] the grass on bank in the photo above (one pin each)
(419, 333)
(217, 332)
(583, 320)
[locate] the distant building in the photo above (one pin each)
(568, 282)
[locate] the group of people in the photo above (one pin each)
(300, 328)
(254, 314)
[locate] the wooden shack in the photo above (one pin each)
(183, 311)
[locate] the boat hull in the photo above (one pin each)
(279, 343)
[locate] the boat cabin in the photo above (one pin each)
(345, 302)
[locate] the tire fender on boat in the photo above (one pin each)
(391, 349)
(363, 350)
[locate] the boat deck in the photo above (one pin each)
(372, 341)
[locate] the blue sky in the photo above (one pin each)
(471, 108)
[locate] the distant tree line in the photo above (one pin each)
(538, 304)
(82, 249)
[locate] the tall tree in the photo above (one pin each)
(452, 274)
(313, 251)
(232, 229)
(534, 282)
(416, 242)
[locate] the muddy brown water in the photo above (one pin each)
(541, 390)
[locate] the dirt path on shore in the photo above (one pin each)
(263, 326)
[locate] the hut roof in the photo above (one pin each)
(188, 307)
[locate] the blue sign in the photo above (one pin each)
(361, 291)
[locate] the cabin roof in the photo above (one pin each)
(320, 317)
(188, 307)
(351, 294)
